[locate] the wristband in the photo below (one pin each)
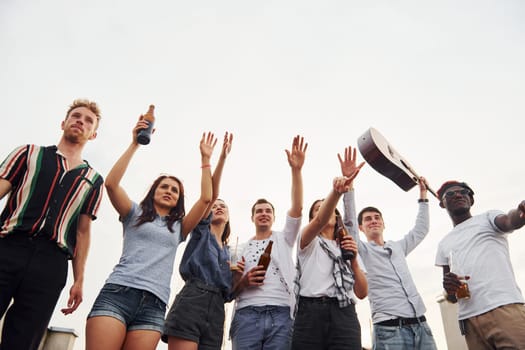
(422, 200)
(451, 298)
(205, 166)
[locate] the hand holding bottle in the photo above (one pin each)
(341, 233)
(456, 280)
(144, 135)
(264, 259)
(254, 277)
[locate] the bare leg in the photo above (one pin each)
(175, 343)
(105, 333)
(141, 340)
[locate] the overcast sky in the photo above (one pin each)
(443, 81)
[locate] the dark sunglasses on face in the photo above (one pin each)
(450, 194)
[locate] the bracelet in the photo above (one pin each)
(451, 298)
(422, 200)
(205, 166)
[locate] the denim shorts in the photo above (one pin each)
(197, 314)
(136, 308)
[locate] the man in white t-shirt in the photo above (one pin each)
(265, 298)
(494, 315)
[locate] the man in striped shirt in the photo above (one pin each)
(53, 194)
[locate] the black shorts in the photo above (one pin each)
(197, 314)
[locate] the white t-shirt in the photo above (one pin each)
(273, 291)
(317, 267)
(482, 251)
(278, 283)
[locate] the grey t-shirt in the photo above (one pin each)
(148, 255)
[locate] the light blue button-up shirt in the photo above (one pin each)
(391, 290)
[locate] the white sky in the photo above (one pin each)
(442, 80)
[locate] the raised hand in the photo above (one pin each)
(141, 125)
(297, 154)
(423, 187)
(342, 184)
(349, 167)
(226, 145)
(208, 142)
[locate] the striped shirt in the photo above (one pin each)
(47, 197)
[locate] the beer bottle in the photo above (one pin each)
(264, 260)
(144, 135)
(340, 233)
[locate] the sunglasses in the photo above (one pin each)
(450, 194)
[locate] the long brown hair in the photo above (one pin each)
(225, 236)
(148, 210)
(311, 214)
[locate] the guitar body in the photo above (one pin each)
(384, 159)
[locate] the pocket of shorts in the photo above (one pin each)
(113, 288)
(160, 304)
(192, 292)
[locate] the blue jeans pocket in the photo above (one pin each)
(239, 318)
(385, 333)
(427, 329)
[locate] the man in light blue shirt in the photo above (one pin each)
(397, 308)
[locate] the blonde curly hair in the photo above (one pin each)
(91, 105)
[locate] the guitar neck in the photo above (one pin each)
(417, 177)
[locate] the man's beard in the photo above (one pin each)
(460, 211)
(72, 138)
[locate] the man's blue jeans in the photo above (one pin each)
(415, 336)
(261, 328)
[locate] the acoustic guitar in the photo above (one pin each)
(381, 156)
